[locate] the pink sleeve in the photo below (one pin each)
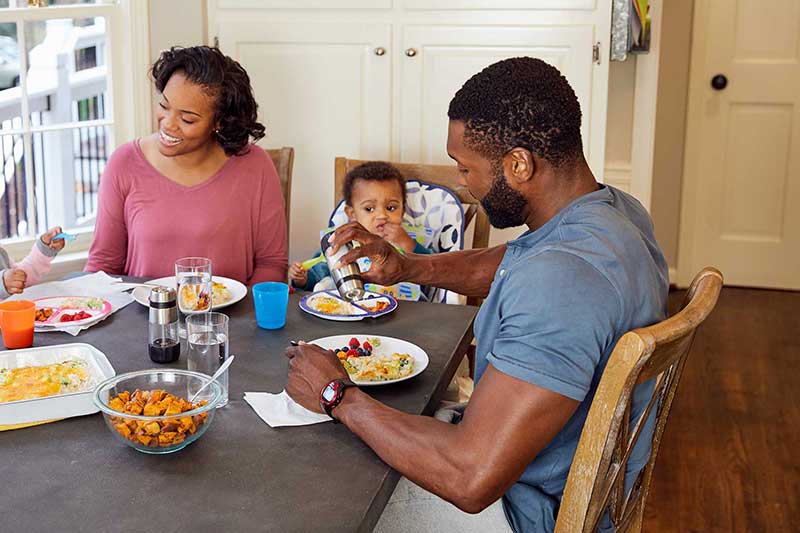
(36, 264)
(109, 249)
(271, 246)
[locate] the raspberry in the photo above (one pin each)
(352, 353)
(354, 343)
(367, 346)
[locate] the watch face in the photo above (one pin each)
(329, 393)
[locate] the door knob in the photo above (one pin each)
(719, 82)
(411, 52)
(380, 51)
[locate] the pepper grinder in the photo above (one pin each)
(347, 278)
(163, 341)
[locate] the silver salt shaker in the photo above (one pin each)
(163, 342)
(347, 278)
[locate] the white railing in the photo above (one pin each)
(68, 153)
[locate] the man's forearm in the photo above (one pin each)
(423, 449)
(469, 272)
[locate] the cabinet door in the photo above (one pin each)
(323, 90)
(437, 60)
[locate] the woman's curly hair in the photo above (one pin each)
(223, 78)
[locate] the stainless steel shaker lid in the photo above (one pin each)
(165, 296)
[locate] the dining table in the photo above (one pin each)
(242, 475)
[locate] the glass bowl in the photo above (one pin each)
(168, 432)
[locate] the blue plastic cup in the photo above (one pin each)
(271, 299)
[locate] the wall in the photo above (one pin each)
(673, 83)
(175, 23)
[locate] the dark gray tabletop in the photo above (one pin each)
(241, 475)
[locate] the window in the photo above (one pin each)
(57, 120)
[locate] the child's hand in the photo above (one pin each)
(395, 234)
(14, 280)
(47, 238)
(298, 276)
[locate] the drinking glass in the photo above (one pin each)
(193, 283)
(207, 346)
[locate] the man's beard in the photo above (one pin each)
(504, 206)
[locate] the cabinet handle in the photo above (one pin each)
(411, 52)
(380, 51)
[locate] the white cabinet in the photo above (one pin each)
(376, 83)
(437, 60)
(323, 90)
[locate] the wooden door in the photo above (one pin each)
(741, 194)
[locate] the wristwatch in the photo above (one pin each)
(332, 395)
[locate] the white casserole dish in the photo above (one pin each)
(60, 405)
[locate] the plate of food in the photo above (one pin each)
(331, 306)
(70, 310)
(50, 382)
(376, 360)
(224, 292)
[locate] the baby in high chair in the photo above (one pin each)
(374, 195)
(17, 276)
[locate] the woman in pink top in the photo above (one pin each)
(197, 187)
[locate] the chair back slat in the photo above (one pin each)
(596, 480)
(283, 159)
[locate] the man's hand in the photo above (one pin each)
(388, 265)
(14, 280)
(310, 369)
(395, 234)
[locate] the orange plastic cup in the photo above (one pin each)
(16, 323)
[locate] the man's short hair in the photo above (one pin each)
(520, 102)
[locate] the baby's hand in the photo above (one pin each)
(47, 238)
(395, 234)
(298, 276)
(14, 280)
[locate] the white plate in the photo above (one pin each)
(238, 290)
(61, 405)
(359, 310)
(388, 345)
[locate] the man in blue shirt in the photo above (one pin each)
(557, 300)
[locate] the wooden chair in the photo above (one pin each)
(283, 158)
(596, 478)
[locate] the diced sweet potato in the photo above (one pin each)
(170, 425)
(125, 396)
(173, 409)
(153, 428)
(151, 409)
(144, 439)
(117, 404)
(156, 395)
(134, 408)
(123, 429)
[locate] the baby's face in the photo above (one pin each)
(375, 203)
